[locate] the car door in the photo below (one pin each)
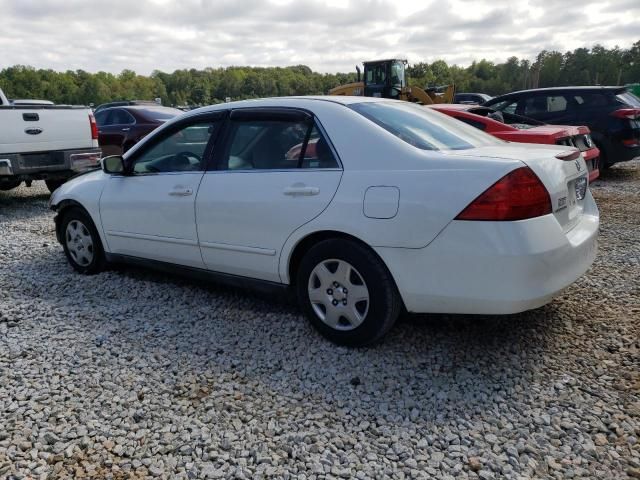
(553, 108)
(113, 130)
(149, 211)
(275, 172)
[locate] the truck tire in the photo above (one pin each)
(347, 292)
(53, 184)
(9, 184)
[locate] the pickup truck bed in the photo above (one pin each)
(45, 142)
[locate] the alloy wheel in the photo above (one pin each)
(79, 243)
(338, 294)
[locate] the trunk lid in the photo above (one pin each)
(565, 180)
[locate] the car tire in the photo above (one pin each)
(332, 281)
(10, 184)
(81, 242)
(52, 185)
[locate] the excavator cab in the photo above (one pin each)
(387, 79)
(384, 78)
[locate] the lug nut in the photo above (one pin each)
(335, 303)
(344, 290)
(329, 291)
(344, 302)
(335, 284)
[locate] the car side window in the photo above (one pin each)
(276, 145)
(181, 150)
(101, 118)
(121, 117)
(508, 106)
(556, 103)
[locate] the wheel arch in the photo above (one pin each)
(304, 244)
(62, 208)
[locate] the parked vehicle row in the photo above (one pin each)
(45, 142)
(611, 113)
(514, 128)
(363, 207)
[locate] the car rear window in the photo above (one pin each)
(422, 127)
(628, 98)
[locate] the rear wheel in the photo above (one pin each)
(54, 184)
(347, 292)
(81, 242)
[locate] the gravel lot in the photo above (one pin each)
(134, 374)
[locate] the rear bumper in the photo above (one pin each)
(52, 164)
(494, 267)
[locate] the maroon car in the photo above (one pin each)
(120, 128)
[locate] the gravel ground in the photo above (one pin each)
(134, 374)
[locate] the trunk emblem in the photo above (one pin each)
(33, 131)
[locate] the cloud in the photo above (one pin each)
(329, 35)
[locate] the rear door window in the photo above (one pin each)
(276, 144)
(121, 117)
(556, 104)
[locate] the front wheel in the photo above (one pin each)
(81, 242)
(347, 292)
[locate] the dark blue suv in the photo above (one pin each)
(611, 113)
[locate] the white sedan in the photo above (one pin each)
(364, 207)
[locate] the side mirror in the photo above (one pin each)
(112, 164)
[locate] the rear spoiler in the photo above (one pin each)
(569, 155)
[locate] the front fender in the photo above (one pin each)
(84, 192)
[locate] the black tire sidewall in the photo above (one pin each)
(384, 304)
(52, 185)
(97, 263)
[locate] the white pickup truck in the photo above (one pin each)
(45, 142)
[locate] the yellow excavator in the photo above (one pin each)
(387, 79)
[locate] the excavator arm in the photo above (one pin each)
(419, 95)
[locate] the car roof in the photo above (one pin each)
(584, 88)
(291, 102)
(140, 108)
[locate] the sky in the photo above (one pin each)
(328, 36)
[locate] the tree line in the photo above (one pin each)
(192, 87)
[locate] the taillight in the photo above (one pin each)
(94, 126)
(517, 196)
(632, 142)
(629, 113)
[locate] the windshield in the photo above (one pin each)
(422, 127)
(629, 99)
(397, 73)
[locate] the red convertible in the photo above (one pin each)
(515, 128)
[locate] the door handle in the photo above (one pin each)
(302, 191)
(182, 192)
(126, 129)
